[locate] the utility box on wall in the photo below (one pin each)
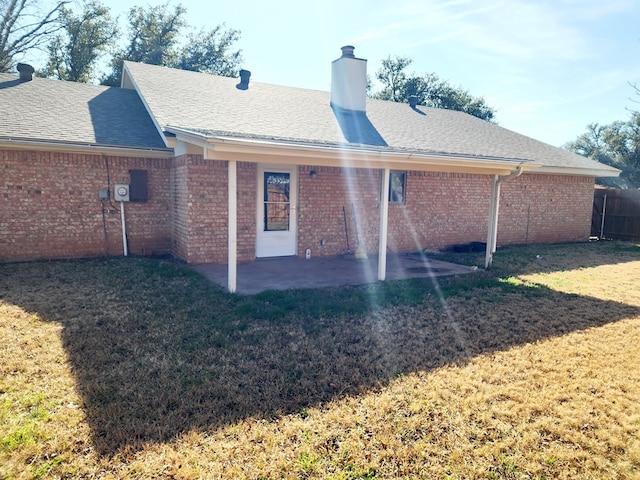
(138, 183)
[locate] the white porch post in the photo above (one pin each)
(384, 217)
(232, 246)
(492, 232)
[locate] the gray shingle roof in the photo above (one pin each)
(213, 105)
(57, 111)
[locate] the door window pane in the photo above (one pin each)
(276, 201)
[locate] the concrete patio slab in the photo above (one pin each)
(284, 273)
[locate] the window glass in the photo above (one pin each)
(397, 184)
(276, 201)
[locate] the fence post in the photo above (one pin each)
(604, 209)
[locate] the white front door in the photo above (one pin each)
(276, 216)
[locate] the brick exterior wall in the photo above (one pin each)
(50, 206)
(327, 200)
(441, 209)
(545, 208)
(200, 227)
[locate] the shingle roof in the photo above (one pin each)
(57, 111)
(213, 105)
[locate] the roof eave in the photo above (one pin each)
(580, 171)
(87, 148)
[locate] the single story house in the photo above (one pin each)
(216, 169)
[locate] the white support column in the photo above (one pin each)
(492, 231)
(232, 247)
(384, 220)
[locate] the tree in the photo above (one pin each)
(23, 27)
(209, 52)
(393, 79)
(617, 145)
(152, 38)
(73, 54)
(429, 90)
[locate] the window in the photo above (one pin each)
(277, 204)
(397, 185)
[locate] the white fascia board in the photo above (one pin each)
(91, 149)
(580, 171)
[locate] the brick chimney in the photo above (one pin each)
(349, 81)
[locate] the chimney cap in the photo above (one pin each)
(26, 72)
(347, 51)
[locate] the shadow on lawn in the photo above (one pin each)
(157, 351)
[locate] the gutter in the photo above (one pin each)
(605, 171)
(90, 148)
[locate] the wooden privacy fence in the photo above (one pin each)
(616, 214)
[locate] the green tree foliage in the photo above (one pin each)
(154, 35)
(430, 90)
(210, 52)
(24, 26)
(73, 53)
(393, 79)
(617, 145)
(152, 38)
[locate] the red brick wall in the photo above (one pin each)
(200, 227)
(441, 209)
(545, 208)
(247, 205)
(50, 206)
(325, 201)
(179, 206)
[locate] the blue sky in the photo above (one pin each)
(549, 67)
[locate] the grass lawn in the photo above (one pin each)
(140, 368)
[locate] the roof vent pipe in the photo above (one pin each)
(413, 101)
(26, 72)
(244, 80)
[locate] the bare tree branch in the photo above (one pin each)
(23, 27)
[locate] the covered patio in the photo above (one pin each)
(284, 273)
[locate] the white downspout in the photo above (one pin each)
(492, 232)
(124, 230)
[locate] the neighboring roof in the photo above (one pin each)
(211, 105)
(53, 111)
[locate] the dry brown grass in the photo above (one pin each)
(530, 371)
